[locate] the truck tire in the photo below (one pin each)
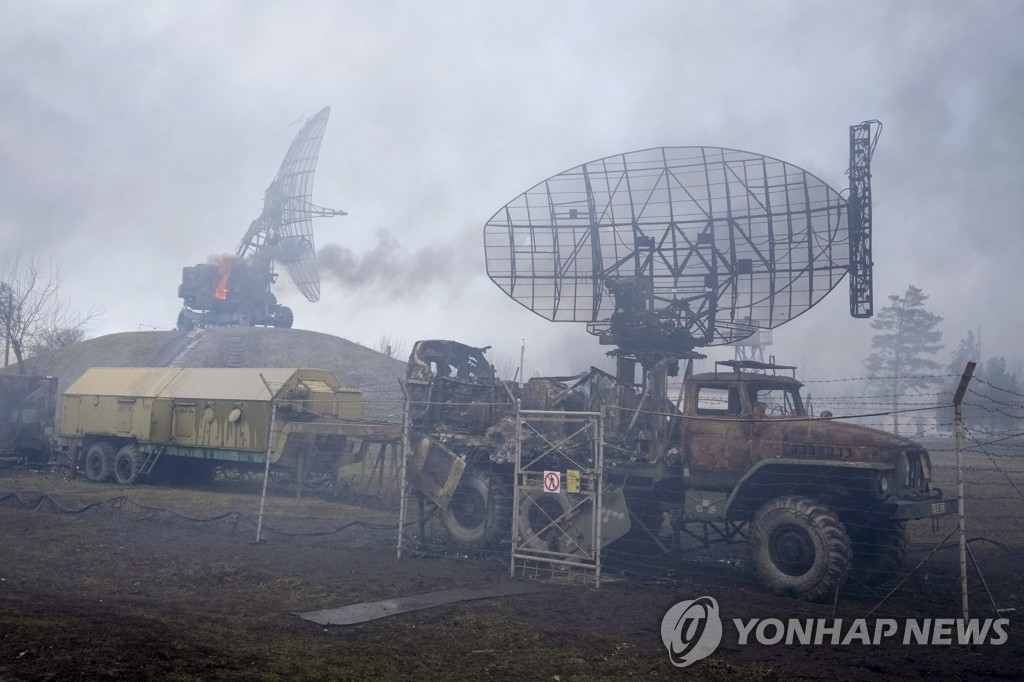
(127, 465)
(879, 552)
(99, 462)
(537, 511)
(185, 322)
(799, 547)
(284, 318)
(479, 515)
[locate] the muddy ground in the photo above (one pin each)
(101, 582)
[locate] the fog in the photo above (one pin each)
(138, 138)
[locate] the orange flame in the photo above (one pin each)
(224, 266)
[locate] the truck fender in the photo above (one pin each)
(751, 490)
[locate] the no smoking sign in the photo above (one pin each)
(552, 481)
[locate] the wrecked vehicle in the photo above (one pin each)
(27, 406)
(230, 292)
(736, 457)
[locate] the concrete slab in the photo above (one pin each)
(365, 612)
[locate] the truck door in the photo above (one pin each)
(775, 408)
(183, 420)
(717, 436)
(125, 409)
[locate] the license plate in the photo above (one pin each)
(938, 508)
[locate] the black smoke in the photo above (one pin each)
(391, 268)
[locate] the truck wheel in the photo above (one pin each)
(284, 318)
(185, 322)
(879, 552)
(99, 462)
(480, 512)
(537, 512)
(799, 547)
(127, 465)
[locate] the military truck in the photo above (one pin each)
(817, 499)
(230, 292)
(27, 406)
(127, 424)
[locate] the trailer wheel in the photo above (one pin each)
(99, 462)
(879, 552)
(480, 512)
(127, 465)
(799, 547)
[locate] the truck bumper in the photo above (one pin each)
(903, 510)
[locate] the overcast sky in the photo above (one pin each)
(138, 138)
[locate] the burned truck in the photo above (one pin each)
(27, 406)
(230, 292)
(130, 424)
(735, 457)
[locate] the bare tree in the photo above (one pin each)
(390, 346)
(33, 317)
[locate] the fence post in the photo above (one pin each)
(270, 447)
(403, 485)
(957, 400)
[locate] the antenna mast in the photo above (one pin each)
(862, 146)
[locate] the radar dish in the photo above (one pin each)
(283, 232)
(672, 248)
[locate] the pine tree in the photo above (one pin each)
(994, 397)
(907, 335)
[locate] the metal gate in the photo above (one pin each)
(556, 529)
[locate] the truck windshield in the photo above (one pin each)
(778, 402)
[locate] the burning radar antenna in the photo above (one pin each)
(235, 289)
(667, 250)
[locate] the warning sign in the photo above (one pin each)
(572, 480)
(552, 481)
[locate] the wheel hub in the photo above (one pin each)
(469, 508)
(791, 550)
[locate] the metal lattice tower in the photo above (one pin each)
(862, 146)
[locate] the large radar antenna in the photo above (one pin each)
(235, 290)
(666, 250)
(283, 232)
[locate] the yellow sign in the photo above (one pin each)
(572, 480)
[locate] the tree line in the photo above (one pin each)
(903, 360)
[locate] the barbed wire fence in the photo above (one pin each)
(924, 560)
(702, 558)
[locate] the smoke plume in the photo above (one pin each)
(387, 268)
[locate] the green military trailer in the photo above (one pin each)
(128, 424)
